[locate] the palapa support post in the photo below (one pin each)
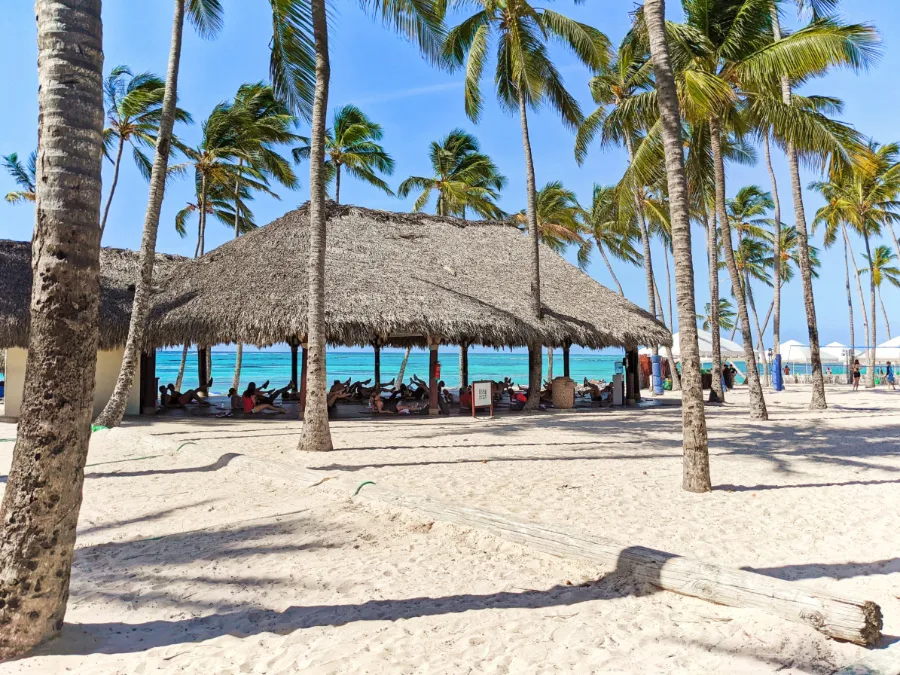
(202, 373)
(303, 361)
(566, 346)
(376, 345)
(433, 375)
(148, 386)
(464, 364)
(632, 383)
(295, 345)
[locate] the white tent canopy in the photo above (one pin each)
(730, 350)
(887, 351)
(793, 351)
(834, 352)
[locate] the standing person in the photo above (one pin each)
(889, 375)
(856, 374)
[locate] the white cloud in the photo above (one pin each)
(409, 93)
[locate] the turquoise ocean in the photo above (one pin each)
(276, 366)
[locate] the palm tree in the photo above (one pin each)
(23, 174)
(725, 315)
(609, 234)
(864, 198)
(619, 123)
(419, 20)
(694, 437)
(291, 74)
(352, 143)
(525, 77)
(43, 493)
(559, 219)
(882, 270)
(464, 178)
(133, 111)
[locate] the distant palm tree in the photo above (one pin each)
(23, 174)
(464, 178)
(352, 143)
(133, 113)
(609, 234)
(559, 216)
(883, 270)
(726, 315)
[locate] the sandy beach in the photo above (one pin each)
(199, 553)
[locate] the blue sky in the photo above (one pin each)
(417, 104)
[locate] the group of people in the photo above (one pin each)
(887, 375)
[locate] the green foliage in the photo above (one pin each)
(23, 174)
(726, 315)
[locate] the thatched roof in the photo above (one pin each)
(118, 274)
(395, 277)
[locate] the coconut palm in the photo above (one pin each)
(352, 143)
(864, 198)
(525, 77)
(43, 491)
(883, 270)
(464, 178)
(23, 174)
(559, 217)
(725, 315)
(695, 443)
(291, 71)
(133, 113)
(421, 21)
(608, 232)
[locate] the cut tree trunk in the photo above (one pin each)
(43, 493)
(757, 400)
(115, 409)
(316, 434)
(695, 477)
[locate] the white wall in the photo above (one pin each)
(108, 364)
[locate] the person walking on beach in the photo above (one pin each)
(856, 374)
(889, 376)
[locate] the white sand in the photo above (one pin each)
(192, 560)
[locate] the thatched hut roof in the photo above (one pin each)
(395, 277)
(118, 274)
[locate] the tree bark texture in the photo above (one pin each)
(712, 244)
(535, 367)
(180, 378)
(870, 371)
(611, 273)
(849, 307)
(115, 409)
(757, 400)
(316, 435)
(776, 245)
(695, 442)
(645, 247)
(531, 215)
(112, 186)
(39, 512)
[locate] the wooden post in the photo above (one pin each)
(631, 381)
(302, 384)
(464, 364)
(202, 373)
(295, 345)
(376, 345)
(636, 367)
(566, 346)
(433, 406)
(149, 387)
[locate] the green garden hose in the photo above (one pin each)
(368, 482)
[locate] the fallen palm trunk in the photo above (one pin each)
(840, 618)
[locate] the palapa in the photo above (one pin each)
(396, 278)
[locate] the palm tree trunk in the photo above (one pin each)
(849, 304)
(694, 438)
(759, 331)
(887, 324)
(201, 228)
(862, 299)
(43, 494)
(818, 380)
(316, 433)
(112, 186)
(870, 375)
(115, 408)
(611, 273)
(399, 379)
(676, 380)
(536, 350)
(239, 353)
(181, 366)
(776, 245)
(550, 363)
(645, 245)
(337, 183)
(757, 400)
(715, 329)
(668, 286)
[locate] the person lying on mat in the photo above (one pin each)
(252, 404)
(333, 398)
(177, 399)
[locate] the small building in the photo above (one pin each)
(118, 273)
